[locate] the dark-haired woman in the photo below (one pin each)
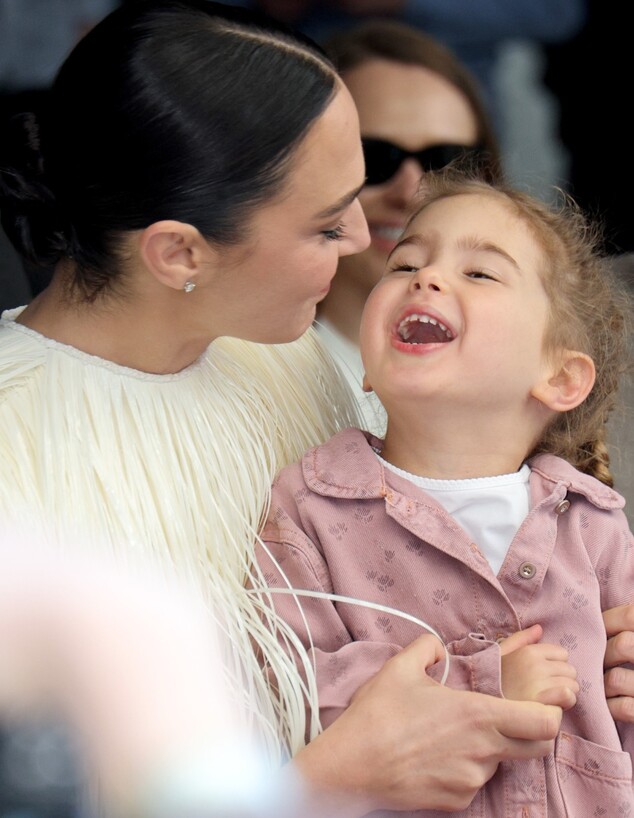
(195, 182)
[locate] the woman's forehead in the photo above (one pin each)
(327, 166)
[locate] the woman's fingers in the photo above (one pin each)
(520, 639)
(622, 708)
(421, 653)
(619, 619)
(619, 680)
(619, 650)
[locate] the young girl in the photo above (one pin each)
(495, 342)
(419, 108)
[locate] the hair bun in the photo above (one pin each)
(30, 213)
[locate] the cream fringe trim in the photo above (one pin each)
(175, 469)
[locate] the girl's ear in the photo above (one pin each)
(569, 385)
(174, 252)
(366, 384)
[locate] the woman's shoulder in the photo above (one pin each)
(20, 353)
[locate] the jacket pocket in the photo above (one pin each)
(592, 780)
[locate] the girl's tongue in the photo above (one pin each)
(424, 330)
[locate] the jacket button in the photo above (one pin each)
(562, 508)
(527, 570)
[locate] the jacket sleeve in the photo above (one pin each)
(288, 559)
(474, 664)
(615, 572)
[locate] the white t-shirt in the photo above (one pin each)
(490, 509)
(348, 358)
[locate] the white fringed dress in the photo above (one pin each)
(174, 468)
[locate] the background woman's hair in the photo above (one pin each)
(167, 109)
(390, 40)
(590, 311)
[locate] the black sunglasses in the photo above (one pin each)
(383, 159)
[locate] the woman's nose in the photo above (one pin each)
(404, 185)
(357, 231)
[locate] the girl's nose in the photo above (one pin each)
(429, 278)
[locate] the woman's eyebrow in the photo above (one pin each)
(340, 205)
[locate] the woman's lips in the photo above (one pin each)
(385, 237)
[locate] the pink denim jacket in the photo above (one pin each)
(340, 523)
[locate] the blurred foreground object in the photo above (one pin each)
(115, 684)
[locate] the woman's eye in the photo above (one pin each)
(336, 234)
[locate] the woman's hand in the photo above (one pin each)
(619, 681)
(408, 743)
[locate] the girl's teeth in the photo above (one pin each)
(406, 325)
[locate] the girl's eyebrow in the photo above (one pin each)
(340, 205)
(465, 243)
(486, 246)
(415, 239)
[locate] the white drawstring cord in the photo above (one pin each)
(364, 603)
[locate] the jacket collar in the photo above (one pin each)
(346, 466)
(559, 471)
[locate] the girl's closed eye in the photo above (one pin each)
(398, 267)
(482, 274)
(335, 234)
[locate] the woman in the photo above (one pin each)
(419, 108)
(189, 184)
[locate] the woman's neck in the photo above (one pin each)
(130, 331)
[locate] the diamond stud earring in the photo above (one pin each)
(188, 286)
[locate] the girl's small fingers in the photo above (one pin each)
(562, 669)
(564, 696)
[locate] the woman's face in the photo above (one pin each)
(268, 286)
(413, 108)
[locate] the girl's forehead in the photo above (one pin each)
(475, 219)
(486, 211)
(472, 199)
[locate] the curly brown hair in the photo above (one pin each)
(590, 309)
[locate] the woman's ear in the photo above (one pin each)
(569, 385)
(174, 252)
(366, 384)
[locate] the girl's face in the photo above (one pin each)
(460, 314)
(413, 108)
(267, 287)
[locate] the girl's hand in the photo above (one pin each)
(406, 742)
(537, 672)
(619, 680)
